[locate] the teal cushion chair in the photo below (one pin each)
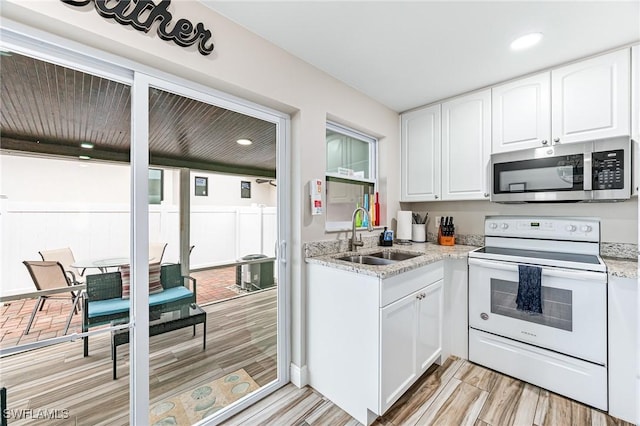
(103, 302)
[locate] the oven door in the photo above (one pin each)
(574, 308)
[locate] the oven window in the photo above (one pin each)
(557, 309)
(565, 173)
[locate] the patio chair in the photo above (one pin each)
(156, 252)
(66, 259)
(50, 275)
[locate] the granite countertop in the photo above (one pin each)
(623, 268)
(429, 253)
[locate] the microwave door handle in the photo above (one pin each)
(588, 172)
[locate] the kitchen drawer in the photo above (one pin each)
(401, 285)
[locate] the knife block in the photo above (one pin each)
(446, 240)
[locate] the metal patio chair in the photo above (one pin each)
(50, 275)
(156, 252)
(66, 259)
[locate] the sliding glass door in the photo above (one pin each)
(65, 222)
(218, 223)
(144, 180)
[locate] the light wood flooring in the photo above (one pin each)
(456, 393)
(241, 333)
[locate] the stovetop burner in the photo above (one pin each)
(536, 254)
(562, 242)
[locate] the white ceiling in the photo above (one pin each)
(408, 54)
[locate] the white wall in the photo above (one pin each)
(618, 220)
(30, 179)
(224, 190)
(246, 65)
(84, 205)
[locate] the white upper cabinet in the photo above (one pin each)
(521, 114)
(421, 154)
(446, 148)
(466, 138)
(590, 99)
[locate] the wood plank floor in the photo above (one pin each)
(456, 393)
(241, 333)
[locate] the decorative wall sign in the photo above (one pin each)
(142, 14)
(202, 186)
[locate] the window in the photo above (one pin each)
(156, 186)
(201, 186)
(350, 175)
(350, 153)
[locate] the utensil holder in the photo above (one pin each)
(418, 232)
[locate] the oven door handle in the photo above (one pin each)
(573, 274)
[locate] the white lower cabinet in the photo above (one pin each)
(370, 339)
(410, 339)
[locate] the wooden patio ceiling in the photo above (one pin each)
(50, 109)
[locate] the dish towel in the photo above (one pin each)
(529, 297)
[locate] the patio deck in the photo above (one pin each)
(213, 285)
(241, 333)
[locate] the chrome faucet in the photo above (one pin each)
(352, 241)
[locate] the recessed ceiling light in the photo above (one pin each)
(84, 157)
(244, 141)
(526, 41)
(87, 145)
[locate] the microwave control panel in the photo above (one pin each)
(608, 169)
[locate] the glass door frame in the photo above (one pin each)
(282, 122)
(48, 47)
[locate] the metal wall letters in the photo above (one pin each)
(142, 14)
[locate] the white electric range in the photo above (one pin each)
(563, 349)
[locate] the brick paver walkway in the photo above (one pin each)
(212, 285)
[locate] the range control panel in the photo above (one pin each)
(551, 228)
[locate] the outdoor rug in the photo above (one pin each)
(192, 406)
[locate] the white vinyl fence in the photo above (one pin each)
(220, 234)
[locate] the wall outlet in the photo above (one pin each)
(437, 222)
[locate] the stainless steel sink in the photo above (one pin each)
(367, 260)
(394, 255)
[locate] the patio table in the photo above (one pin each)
(162, 323)
(103, 263)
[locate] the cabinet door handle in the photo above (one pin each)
(486, 195)
(556, 140)
(544, 142)
(435, 196)
(424, 295)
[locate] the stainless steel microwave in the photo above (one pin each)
(597, 170)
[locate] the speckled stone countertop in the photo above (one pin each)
(623, 268)
(429, 253)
